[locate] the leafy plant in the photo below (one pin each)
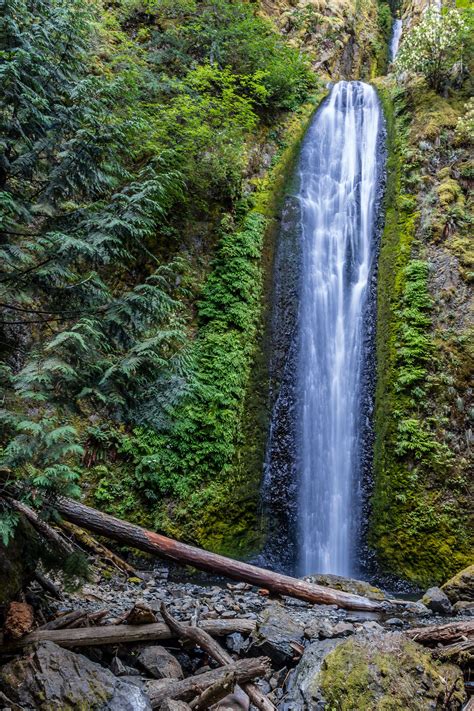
(435, 46)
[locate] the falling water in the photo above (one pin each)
(395, 41)
(338, 190)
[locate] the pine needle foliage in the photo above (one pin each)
(77, 217)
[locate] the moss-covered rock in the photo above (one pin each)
(389, 673)
(461, 585)
(349, 585)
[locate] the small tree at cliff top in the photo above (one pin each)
(434, 46)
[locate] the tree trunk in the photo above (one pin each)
(118, 634)
(154, 543)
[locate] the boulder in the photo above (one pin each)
(276, 636)
(389, 672)
(350, 585)
(52, 677)
(159, 663)
(437, 601)
(303, 689)
(461, 586)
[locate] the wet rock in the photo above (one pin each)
(437, 601)
(159, 663)
(52, 677)
(461, 586)
(18, 620)
(464, 607)
(304, 691)
(390, 672)
(275, 634)
(338, 582)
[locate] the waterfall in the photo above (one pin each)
(395, 40)
(339, 178)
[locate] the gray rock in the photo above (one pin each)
(303, 691)
(159, 663)
(275, 634)
(464, 607)
(394, 622)
(437, 601)
(52, 677)
(371, 627)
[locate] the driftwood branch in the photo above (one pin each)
(204, 640)
(116, 634)
(243, 670)
(154, 543)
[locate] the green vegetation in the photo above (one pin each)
(435, 47)
(420, 504)
(385, 673)
(125, 136)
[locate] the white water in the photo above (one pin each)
(395, 41)
(338, 187)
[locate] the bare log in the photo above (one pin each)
(204, 640)
(117, 634)
(213, 694)
(185, 690)
(449, 633)
(137, 537)
(43, 528)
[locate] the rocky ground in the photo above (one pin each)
(320, 657)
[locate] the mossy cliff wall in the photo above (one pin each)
(421, 501)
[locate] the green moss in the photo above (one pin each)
(387, 675)
(419, 522)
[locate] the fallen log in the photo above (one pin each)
(204, 640)
(50, 534)
(244, 670)
(117, 634)
(442, 634)
(137, 537)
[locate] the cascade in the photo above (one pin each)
(395, 40)
(320, 415)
